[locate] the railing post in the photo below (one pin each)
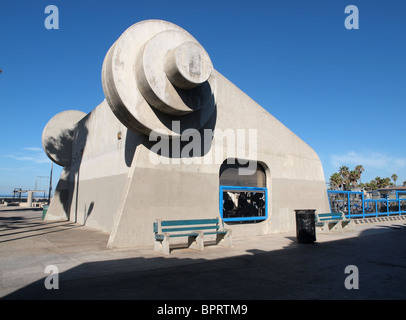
(376, 208)
(387, 206)
(399, 207)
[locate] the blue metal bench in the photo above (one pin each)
(333, 221)
(193, 229)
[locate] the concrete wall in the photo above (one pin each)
(113, 185)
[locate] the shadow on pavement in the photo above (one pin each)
(299, 271)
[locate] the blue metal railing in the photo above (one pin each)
(347, 205)
(384, 207)
(364, 208)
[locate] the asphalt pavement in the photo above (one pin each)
(62, 260)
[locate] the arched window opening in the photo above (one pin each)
(243, 196)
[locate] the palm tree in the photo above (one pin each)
(344, 171)
(382, 182)
(353, 177)
(360, 169)
(394, 178)
(336, 181)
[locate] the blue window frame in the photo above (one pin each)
(243, 204)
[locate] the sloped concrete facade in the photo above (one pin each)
(120, 182)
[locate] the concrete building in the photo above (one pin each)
(174, 139)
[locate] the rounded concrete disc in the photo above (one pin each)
(188, 65)
(121, 76)
(153, 80)
(57, 136)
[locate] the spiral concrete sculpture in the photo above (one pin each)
(119, 180)
(57, 136)
(156, 73)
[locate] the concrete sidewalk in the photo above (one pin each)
(258, 268)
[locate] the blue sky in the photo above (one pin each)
(342, 91)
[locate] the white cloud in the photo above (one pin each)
(374, 163)
(373, 160)
(35, 149)
(30, 154)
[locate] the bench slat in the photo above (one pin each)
(168, 223)
(189, 228)
(161, 236)
(195, 234)
(329, 214)
(332, 217)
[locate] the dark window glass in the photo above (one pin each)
(244, 204)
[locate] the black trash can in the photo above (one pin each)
(306, 226)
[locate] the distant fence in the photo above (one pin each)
(354, 205)
(23, 199)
